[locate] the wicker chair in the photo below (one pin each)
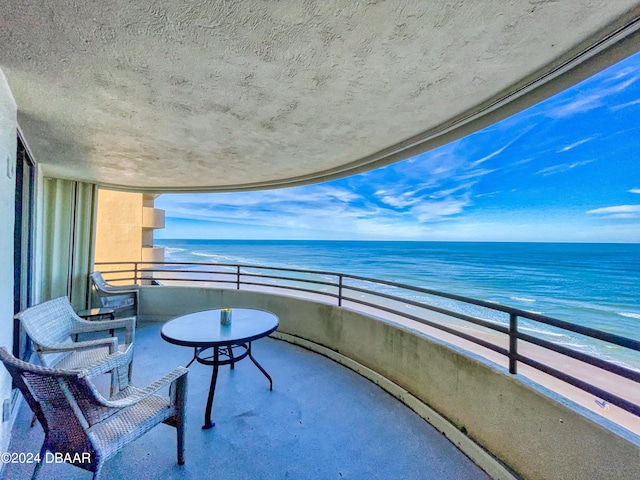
(82, 427)
(52, 325)
(115, 296)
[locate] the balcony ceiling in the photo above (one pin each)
(181, 96)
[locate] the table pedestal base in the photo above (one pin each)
(222, 356)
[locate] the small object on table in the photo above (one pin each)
(225, 316)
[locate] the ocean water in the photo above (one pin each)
(595, 285)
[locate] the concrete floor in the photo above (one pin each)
(321, 421)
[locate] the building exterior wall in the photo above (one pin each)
(119, 227)
(8, 147)
(124, 228)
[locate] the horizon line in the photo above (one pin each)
(401, 241)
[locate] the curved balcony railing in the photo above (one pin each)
(502, 329)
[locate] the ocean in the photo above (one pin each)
(595, 285)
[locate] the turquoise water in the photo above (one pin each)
(595, 285)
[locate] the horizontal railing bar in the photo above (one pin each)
(241, 274)
(118, 263)
(262, 267)
(461, 316)
(291, 279)
(203, 280)
(589, 332)
(121, 279)
(210, 272)
(450, 296)
(299, 289)
(583, 357)
(437, 326)
(295, 270)
(582, 385)
(111, 272)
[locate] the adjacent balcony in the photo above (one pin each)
(152, 218)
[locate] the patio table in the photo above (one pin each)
(216, 344)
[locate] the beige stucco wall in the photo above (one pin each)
(8, 146)
(124, 228)
(538, 435)
(118, 227)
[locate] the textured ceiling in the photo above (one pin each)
(176, 96)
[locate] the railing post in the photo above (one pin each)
(237, 277)
(339, 290)
(513, 343)
(135, 272)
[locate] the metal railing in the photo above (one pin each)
(412, 303)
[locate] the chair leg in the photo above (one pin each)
(114, 381)
(181, 430)
(43, 451)
(180, 401)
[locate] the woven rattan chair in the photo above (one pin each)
(115, 296)
(52, 327)
(82, 427)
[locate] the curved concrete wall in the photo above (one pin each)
(535, 435)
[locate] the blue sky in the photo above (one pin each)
(566, 170)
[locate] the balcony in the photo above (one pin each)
(490, 390)
(320, 421)
(152, 218)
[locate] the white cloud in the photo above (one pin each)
(635, 190)
(489, 194)
(589, 101)
(432, 211)
(575, 144)
(578, 105)
(522, 162)
(401, 201)
(625, 105)
(501, 149)
(450, 191)
(563, 167)
(618, 211)
(480, 172)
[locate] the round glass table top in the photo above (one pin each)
(203, 329)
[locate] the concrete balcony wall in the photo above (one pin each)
(152, 218)
(533, 433)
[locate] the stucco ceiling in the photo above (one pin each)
(214, 95)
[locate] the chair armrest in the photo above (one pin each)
(109, 363)
(118, 289)
(170, 379)
(85, 326)
(111, 342)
